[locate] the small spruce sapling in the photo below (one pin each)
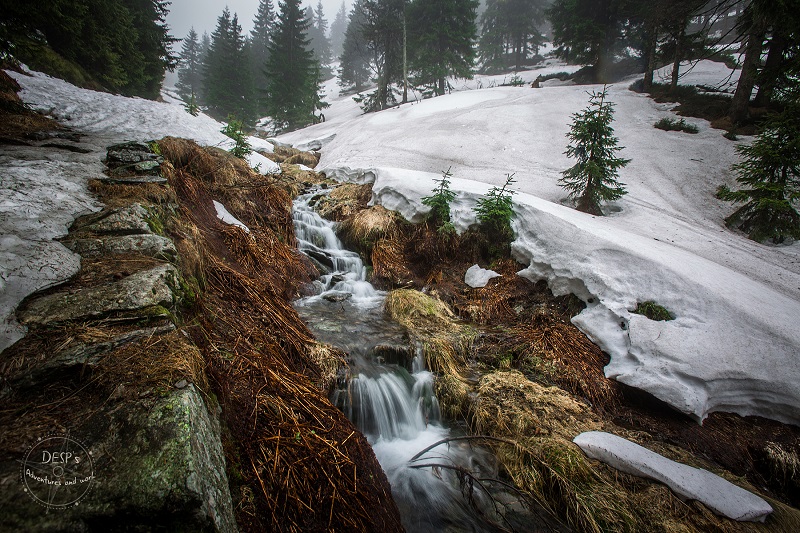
(494, 212)
(235, 130)
(770, 179)
(439, 202)
(191, 106)
(593, 179)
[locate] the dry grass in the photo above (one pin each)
(120, 195)
(369, 225)
(303, 158)
(344, 201)
(388, 264)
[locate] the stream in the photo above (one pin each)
(388, 393)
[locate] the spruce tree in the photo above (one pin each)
(384, 33)
(441, 39)
(259, 49)
(190, 72)
(593, 179)
(317, 34)
(510, 33)
(770, 179)
(354, 72)
(338, 29)
(293, 74)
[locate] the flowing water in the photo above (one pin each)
(388, 393)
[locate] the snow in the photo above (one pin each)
(225, 216)
(733, 345)
(716, 493)
(477, 277)
(42, 191)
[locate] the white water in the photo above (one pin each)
(395, 409)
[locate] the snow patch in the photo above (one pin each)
(477, 277)
(718, 494)
(227, 218)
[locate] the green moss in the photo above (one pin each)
(653, 311)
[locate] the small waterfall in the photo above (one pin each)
(395, 407)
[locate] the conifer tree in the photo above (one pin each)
(293, 74)
(227, 77)
(510, 31)
(441, 39)
(770, 180)
(384, 33)
(354, 73)
(317, 34)
(338, 29)
(593, 179)
(259, 49)
(190, 72)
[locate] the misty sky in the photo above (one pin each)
(202, 14)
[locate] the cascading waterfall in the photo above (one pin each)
(396, 409)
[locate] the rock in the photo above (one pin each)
(147, 166)
(477, 277)
(137, 179)
(337, 296)
(719, 495)
(157, 462)
(123, 221)
(181, 384)
(144, 289)
(147, 244)
(131, 152)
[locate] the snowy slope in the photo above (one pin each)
(734, 344)
(43, 191)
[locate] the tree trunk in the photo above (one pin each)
(405, 62)
(652, 42)
(740, 105)
(769, 74)
(440, 90)
(676, 64)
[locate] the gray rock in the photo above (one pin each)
(337, 296)
(133, 180)
(156, 461)
(131, 152)
(146, 244)
(147, 166)
(719, 495)
(131, 219)
(141, 290)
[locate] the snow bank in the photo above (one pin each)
(718, 494)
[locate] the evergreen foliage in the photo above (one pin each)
(317, 34)
(439, 202)
(384, 33)
(228, 85)
(770, 179)
(593, 179)
(235, 130)
(294, 78)
(510, 32)
(120, 45)
(441, 36)
(263, 24)
(190, 71)
(191, 106)
(494, 212)
(653, 311)
(354, 74)
(338, 29)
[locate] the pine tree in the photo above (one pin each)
(317, 34)
(770, 180)
(294, 79)
(190, 73)
(510, 32)
(442, 40)
(384, 33)
(593, 179)
(154, 43)
(338, 29)
(228, 81)
(259, 49)
(354, 73)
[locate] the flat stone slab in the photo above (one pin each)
(131, 219)
(133, 180)
(719, 495)
(146, 244)
(143, 289)
(477, 277)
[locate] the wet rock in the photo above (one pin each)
(136, 179)
(146, 244)
(157, 462)
(337, 296)
(131, 152)
(142, 290)
(125, 220)
(716, 493)
(147, 166)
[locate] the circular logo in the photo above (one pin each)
(57, 471)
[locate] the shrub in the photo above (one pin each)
(235, 130)
(439, 202)
(670, 124)
(731, 136)
(653, 311)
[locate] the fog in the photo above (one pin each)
(202, 14)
